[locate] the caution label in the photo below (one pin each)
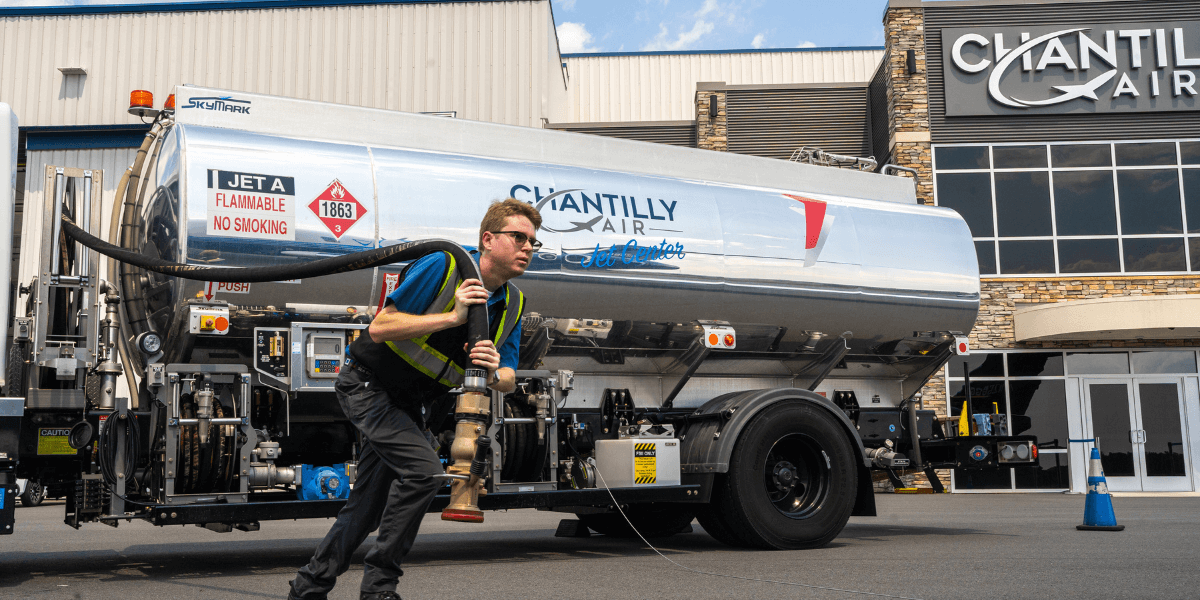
(645, 463)
(53, 441)
(251, 205)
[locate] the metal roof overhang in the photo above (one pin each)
(1149, 317)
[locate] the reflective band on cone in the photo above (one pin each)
(1098, 509)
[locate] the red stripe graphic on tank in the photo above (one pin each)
(814, 219)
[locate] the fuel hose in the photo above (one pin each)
(477, 323)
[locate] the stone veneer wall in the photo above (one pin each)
(711, 133)
(908, 97)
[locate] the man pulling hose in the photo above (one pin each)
(413, 354)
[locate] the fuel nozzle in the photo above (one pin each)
(204, 406)
(470, 453)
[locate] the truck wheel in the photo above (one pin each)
(652, 521)
(791, 482)
(34, 493)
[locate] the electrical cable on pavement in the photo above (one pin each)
(592, 461)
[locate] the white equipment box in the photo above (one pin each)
(638, 462)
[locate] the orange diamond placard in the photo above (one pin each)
(337, 208)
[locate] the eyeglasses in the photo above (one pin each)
(521, 238)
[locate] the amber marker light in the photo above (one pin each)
(141, 104)
(170, 103)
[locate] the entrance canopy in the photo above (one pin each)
(1149, 317)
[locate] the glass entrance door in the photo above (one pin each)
(1142, 438)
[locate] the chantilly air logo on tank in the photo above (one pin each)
(1110, 68)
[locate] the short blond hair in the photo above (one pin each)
(501, 210)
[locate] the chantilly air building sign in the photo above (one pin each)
(1111, 68)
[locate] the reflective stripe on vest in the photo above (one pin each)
(436, 365)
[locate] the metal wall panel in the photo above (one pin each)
(774, 123)
(662, 87)
(1048, 127)
(676, 133)
(490, 61)
(881, 127)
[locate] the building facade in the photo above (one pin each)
(1066, 134)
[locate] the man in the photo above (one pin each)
(413, 353)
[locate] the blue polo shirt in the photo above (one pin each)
(420, 286)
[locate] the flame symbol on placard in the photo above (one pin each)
(337, 192)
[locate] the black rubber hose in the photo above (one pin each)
(477, 323)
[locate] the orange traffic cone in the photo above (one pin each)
(1098, 509)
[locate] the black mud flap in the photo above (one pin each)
(864, 501)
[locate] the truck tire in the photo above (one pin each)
(791, 482)
(34, 493)
(652, 521)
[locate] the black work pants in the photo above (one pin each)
(395, 485)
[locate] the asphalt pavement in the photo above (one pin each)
(929, 547)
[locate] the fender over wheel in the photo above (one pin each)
(791, 483)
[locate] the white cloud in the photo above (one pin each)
(709, 6)
(574, 38)
(567, 4)
(758, 41)
(683, 41)
(806, 44)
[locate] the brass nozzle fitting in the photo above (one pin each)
(469, 451)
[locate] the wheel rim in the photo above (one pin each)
(796, 476)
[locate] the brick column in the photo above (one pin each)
(711, 132)
(908, 95)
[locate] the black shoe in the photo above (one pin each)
(378, 596)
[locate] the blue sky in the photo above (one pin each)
(656, 25)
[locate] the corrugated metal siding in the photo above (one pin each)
(663, 87)
(112, 161)
(775, 123)
(489, 61)
(1049, 127)
(677, 133)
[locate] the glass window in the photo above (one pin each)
(1191, 197)
(1097, 363)
(1039, 407)
(987, 397)
(981, 365)
(1111, 423)
(1149, 201)
(1145, 155)
(1194, 248)
(986, 251)
(1164, 361)
(1084, 203)
(1035, 364)
(1019, 157)
(969, 157)
(1082, 155)
(1149, 255)
(1051, 472)
(1089, 256)
(1023, 204)
(1022, 257)
(971, 195)
(1189, 153)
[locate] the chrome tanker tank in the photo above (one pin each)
(633, 232)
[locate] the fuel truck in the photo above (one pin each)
(709, 336)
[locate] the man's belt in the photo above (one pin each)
(357, 366)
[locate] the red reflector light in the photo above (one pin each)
(141, 99)
(170, 103)
(1033, 449)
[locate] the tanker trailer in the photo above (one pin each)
(706, 335)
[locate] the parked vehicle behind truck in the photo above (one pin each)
(707, 335)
